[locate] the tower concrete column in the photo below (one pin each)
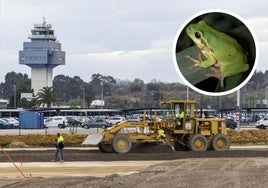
(41, 77)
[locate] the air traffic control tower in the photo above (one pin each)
(42, 54)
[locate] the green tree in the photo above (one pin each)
(15, 81)
(137, 85)
(101, 84)
(69, 88)
(74, 103)
(47, 96)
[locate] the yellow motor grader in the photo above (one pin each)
(179, 131)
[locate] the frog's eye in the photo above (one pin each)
(197, 35)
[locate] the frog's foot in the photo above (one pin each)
(196, 61)
(193, 67)
(217, 74)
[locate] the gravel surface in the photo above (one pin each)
(234, 168)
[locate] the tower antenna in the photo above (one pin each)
(44, 17)
(44, 20)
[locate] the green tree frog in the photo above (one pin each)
(220, 50)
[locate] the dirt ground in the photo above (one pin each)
(147, 166)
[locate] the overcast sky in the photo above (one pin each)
(120, 38)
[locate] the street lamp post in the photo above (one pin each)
(101, 91)
(238, 109)
(102, 94)
(83, 97)
(15, 88)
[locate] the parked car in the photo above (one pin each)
(81, 119)
(73, 121)
(98, 123)
(134, 119)
(56, 121)
(5, 125)
(115, 120)
(231, 124)
(12, 120)
(262, 123)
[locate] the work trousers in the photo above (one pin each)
(58, 150)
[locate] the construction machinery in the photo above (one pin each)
(178, 131)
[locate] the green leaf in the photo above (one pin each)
(195, 75)
(231, 82)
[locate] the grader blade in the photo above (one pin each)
(93, 139)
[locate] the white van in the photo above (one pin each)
(262, 123)
(56, 121)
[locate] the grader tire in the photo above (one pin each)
(197, 142)
(121, 143)
(220, 142)
(105, 148)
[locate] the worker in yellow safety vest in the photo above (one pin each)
(180, 118)
(59, 148)
(161, 133)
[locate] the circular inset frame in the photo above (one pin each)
(215, 52)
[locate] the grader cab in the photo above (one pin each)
(182, 130)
